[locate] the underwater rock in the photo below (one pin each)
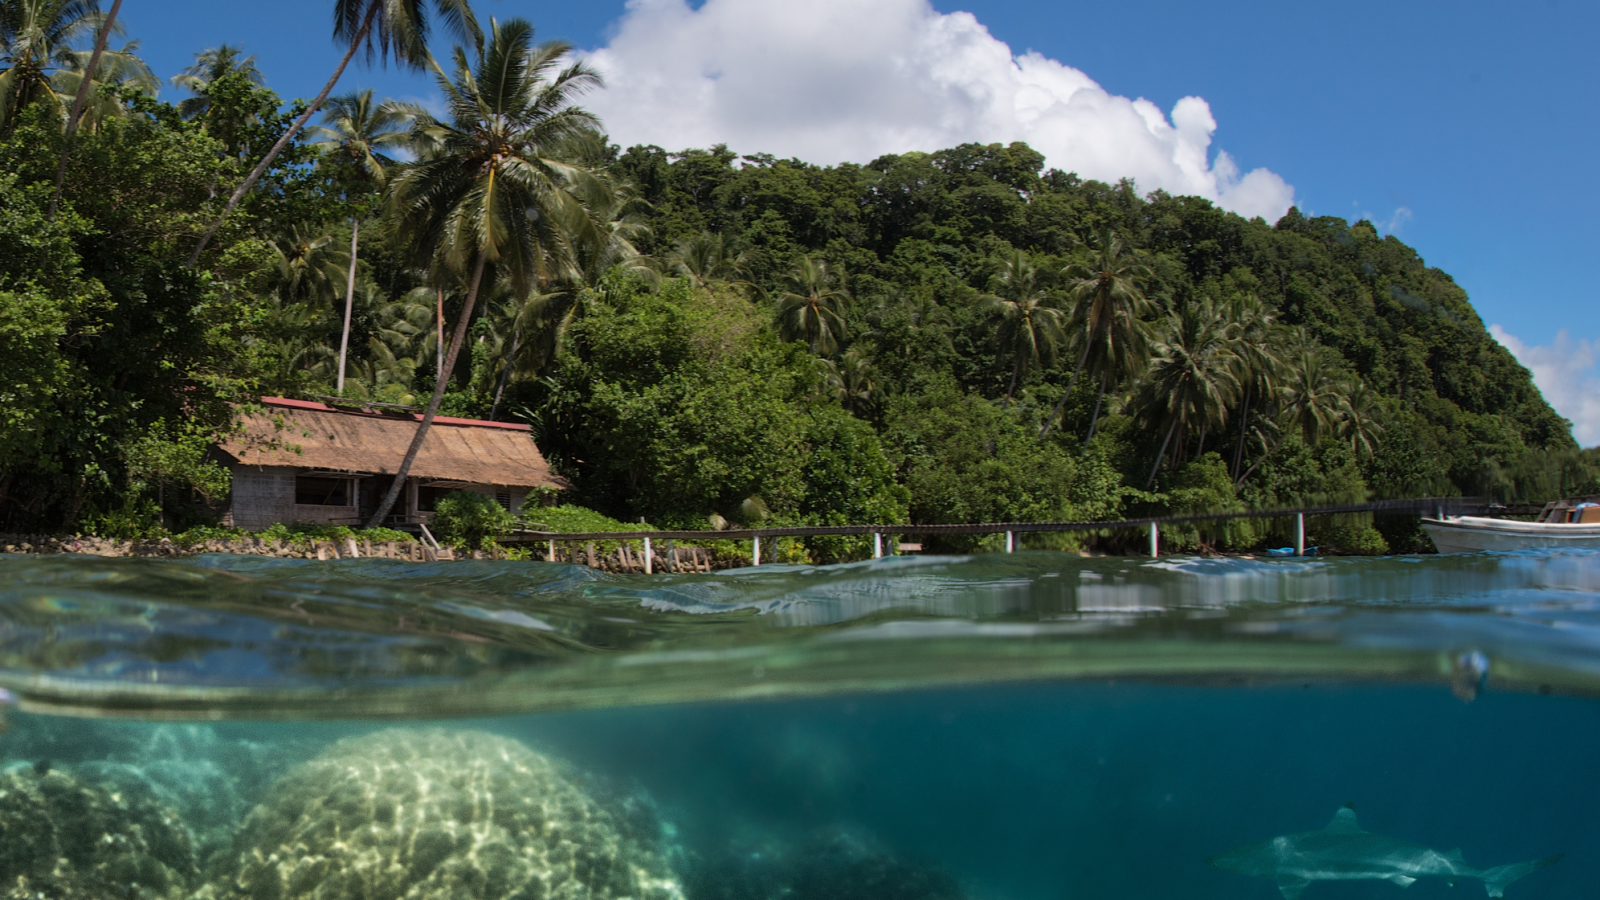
(211, 781)
(64, 836)
(831, 864)
(432, 814)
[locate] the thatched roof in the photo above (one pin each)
(315, 436)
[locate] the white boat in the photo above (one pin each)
(1565, 523)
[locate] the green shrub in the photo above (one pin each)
(138, 519)
(468, 519)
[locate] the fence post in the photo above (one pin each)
(1155, 541)
(1011, 542)
(877, 545)
(552, 551)
(755, 550)
(1299, 534)
(648, 566)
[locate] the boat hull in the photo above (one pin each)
(1470, 534)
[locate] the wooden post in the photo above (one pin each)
(1155, 541)
(1011, 542)
(755, 550)
(593, 562)
(552, 557)
(649, 567)
(877, 545)
(1300, 534)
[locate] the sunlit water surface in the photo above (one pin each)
(1026, 726)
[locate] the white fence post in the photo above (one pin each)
(1300, 534)
(877, 545)
(1155, 541)
(1011, 542)
(755, 550)
(552, 551)
(648, 568)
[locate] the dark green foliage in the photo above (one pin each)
(468, 519)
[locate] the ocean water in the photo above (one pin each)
(1034, 725)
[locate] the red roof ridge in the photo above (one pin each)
(362, 411)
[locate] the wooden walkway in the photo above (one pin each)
(1428, 506)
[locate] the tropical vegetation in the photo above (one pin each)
(699, 338)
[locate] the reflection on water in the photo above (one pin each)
(1036, 726)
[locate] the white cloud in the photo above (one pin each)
(830, 81)
(1565, 374)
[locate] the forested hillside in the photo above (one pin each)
(701, 337)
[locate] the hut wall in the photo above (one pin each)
(263, 496)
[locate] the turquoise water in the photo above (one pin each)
(1029, 726)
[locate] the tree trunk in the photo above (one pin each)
(505, 374)
(1162, 455)
(456, 342)
(1015, 370)
(349, 301)
(78, 102)
(1244, 429)
(294, 130)
(1083, 358)
(438, 343)
(1095, 419)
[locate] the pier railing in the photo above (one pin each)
(1435, 506)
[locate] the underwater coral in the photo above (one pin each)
(435, 814)
(65, 836)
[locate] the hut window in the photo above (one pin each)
(428, 497)
(310, 491)
(504, 500)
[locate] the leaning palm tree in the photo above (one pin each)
(209, 65)
(382, 28)
(1030, 328)
(496, 193)
(357, 133)
(812, 307)
(1106, 315)
(1193, 378)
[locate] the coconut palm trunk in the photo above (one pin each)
(1050, 422)
(78, 102)
(349, 302)
(457, 340)
(505, 373)
(294, 130)
(1162, 454)
(1094, 419)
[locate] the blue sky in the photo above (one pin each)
(1465, 128)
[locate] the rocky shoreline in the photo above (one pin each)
(349, 548)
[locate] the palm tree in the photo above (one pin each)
(704, 258)
(1108, 304)
(1030, 329)
(1313, 391)
(382, 27)
(851, 378)
(496, 194)
(358, 130)
(1255, 340)
(1361, 420)
(36, 38)
(1194, 376)
(812, 309)
(309, 264)
(209, 65)
(617, 224)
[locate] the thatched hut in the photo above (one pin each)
(300, 462)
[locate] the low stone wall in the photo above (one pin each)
(247, 546)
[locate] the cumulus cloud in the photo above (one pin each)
(1565, 373)
(830, 81)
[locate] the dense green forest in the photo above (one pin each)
(698, 337)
